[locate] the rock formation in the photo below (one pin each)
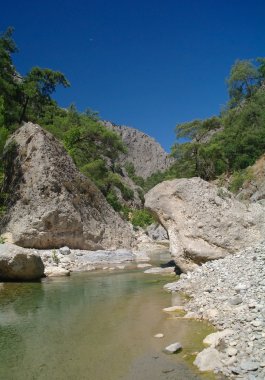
(143, 151)
(204, 222)
(52, 203)
(19, 264)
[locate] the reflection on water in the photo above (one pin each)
(93, 326)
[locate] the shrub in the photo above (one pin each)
(239, 178)
(114, 201)
(142, 218)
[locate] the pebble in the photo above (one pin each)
(172, 348)
(237, 296)
(248, 365)
(159, 335)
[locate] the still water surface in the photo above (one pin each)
(94, 326)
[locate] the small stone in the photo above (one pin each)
(65, 251)
(231, 351)
(159, 335)
(173, 308)
(172, 348)
(248, 365)
(143, 265)
(241, 287)
(208, 359)
(235, 301)
(215, 338)
(256, 323)
(53, 271)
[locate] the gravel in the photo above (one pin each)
(230, 293)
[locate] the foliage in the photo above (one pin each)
(2, 239)
(113, 200)
(242, 81)
(130, 169)
(35, 91)
(93, 147)
(55, 257)
(192, 157)
(141, 218)
(234, 140)
(238, 178)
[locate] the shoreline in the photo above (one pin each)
(230, 294)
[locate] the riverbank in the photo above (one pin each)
(230, 293)
(65, 260)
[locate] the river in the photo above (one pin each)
(95, 326)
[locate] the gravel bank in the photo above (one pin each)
(230, 293)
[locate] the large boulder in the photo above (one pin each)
(53, 204)
(204, 222)
(19, 264)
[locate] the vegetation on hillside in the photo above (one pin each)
(93, 147)
(232, 141)
(221, 145)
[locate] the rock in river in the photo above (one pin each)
(19, 264)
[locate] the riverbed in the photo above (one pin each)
(95, 326)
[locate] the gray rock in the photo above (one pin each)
(231, 351)
(226, 225)
(208, 359)
(235, 301)
(172, 348)
(19, 264)
(55, 205)
(248, 365)
(143, 151)
(65, 251)
(158, 270)
(157, 232)
(56, 272)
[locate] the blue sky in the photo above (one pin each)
(146, 64)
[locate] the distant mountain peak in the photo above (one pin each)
(143, 151)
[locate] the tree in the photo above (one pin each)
(196, 133)
(8, 76)
(243, 80)
(36, 89)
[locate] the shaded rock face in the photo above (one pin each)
(20, 264)
(204, 222)
(143, 151)
(53, 204)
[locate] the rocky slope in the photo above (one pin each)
(230, 292)
(204, 222)
(143, 152)
(254, 189)
(52, 204)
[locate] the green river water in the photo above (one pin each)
(94, 326)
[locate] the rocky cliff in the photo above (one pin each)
(51, 203)
(204, 222)
(143, 152)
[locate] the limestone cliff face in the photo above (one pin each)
(143, 151)
(53, 204)
(204, 222)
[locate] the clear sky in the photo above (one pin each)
(145, 64)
